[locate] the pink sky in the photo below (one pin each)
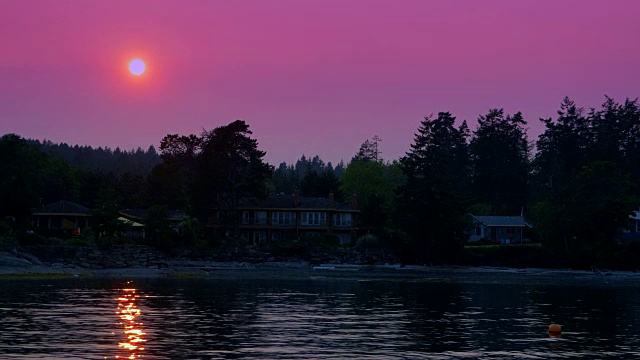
(310, 77)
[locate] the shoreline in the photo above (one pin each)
(303, 270)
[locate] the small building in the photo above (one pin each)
(499, 229)
(282, 217)
(63, 218)
(632, 231)
(138, 216)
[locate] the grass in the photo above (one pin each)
(36, 276)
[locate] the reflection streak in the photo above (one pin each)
(128, 312)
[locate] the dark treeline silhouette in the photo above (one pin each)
(106, 160)
(577, 183)
(311, 176)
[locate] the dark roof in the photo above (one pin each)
(282, 201)
(507, 221)
(139, 214)
(62, 207)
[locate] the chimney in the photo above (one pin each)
(354, 201)
(296, 197)
(331, 203)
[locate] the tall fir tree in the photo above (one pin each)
(434, 198)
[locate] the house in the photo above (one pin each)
(500, 229)
(282, 217)
(132, 229)
(632, 232)
(62, 217)
(136, 218)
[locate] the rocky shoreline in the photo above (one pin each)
(134, 261)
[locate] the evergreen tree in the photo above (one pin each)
(434, 198)
(500, 162)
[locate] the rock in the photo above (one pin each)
(32, 259)
(10, 260)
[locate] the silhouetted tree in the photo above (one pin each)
(434, 198)
(500, 162)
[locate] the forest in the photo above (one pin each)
(578, 182)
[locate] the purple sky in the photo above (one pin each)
(310, 77)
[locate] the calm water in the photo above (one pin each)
(312, 319)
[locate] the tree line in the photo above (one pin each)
(577, 182)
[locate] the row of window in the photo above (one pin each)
(261, 236)
(288, 218)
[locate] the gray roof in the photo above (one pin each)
(62, 207)
(140, 214)
(505, 221)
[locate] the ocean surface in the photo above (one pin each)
(316, 318)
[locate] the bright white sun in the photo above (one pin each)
(137, 67)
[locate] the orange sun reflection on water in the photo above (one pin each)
(128, 313)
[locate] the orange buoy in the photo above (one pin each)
(555, 330)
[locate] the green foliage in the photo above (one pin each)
(376, 185)
(158, 231)
(105, 217)
(321, 185)
(583, 218)
(583, 176)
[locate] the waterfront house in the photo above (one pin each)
(632, 232)
(499, 229)
(280, 217)
(136, 218)
(61, 218)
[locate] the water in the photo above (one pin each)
(312, 319)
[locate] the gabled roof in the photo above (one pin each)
(140, 214)
(62, 207)
(504, 221)
(282, 201)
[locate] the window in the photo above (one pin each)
(245, 217)
(314, 218)
(260, 218)
(259, 236)
(283, 218)
(342, 220)
(344, 238)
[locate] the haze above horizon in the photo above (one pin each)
(312, 77)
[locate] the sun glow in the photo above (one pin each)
(137, 67)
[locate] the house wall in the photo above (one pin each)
(258, 225)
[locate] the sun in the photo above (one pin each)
(137, 67)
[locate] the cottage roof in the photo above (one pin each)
(282, 201)
(504, 221)
(139, 214)
(62, 207)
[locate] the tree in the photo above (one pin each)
(434, 198)
(320, 185)
(375, 184)
(369, 150)
(20, 177)
(582, 221)
(583, 175)
(563, 149)
(500, 162)
(229, 166)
